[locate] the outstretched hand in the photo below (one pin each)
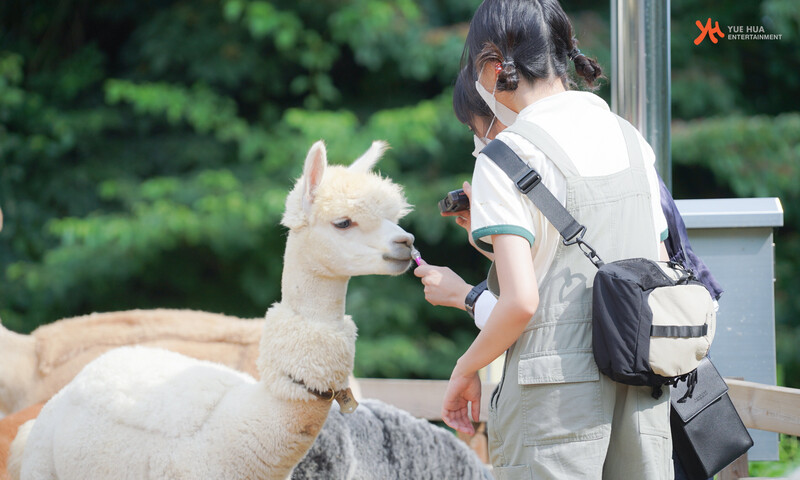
(442, 285)
(463, 396)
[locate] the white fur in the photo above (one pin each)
(141, 413)
(38, 365)
(15, 451)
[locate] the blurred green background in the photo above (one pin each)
(146, 147)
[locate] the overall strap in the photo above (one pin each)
(529, 182)
(539, 137)
(629, 133)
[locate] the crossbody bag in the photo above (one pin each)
(652, 322)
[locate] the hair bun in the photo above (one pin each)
(508, 76)
(587, 68)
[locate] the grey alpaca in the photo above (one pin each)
(379, 441)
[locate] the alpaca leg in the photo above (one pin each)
(9, 426)
(17, 448)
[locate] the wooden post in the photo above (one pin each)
(736, 470)
(479, 442)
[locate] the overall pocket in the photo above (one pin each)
(653, 414)
(560, 398)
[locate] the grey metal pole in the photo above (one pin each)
(640, 73)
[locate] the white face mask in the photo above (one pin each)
(479, 144)
(503, 113)
(482, 142)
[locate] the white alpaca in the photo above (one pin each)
(139, 413)
(38, 365)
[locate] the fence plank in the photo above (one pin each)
(766, 407)
(763, 407)
(421, 398)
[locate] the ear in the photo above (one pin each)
(365, 162)
(313, 169)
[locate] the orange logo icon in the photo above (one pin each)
(707, 30)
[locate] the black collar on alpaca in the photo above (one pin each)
(327, 395)
(345, 399)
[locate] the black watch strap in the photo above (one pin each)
(472, 297)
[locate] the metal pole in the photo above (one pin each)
(640, 73)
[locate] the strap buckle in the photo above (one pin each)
(590, 253)
(577, 238)
(587, 249)
(528, 180)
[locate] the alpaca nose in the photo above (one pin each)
(406, 239)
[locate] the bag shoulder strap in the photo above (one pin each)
(529, 182)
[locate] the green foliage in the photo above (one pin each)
(146, 165)
(789, 460)
(784, 16)
(146, 149)
(748, 76)
(753, 156)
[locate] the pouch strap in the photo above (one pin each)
(682, 331)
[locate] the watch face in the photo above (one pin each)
(470, 308)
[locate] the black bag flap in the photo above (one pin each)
(710, 386)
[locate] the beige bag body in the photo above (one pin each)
(671, 357)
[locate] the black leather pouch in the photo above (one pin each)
(707, 433)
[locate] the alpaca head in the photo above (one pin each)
(345, 218)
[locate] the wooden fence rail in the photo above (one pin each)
(766, 407)
(762, 407)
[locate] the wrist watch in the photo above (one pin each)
(472, 297)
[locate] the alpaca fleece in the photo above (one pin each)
(142, 413)
(38, 365)
(380, 441)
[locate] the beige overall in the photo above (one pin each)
(554, 416)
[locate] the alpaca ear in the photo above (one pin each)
(313, 169)
(365, 162)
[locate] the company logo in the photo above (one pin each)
(735, 32)
(707, 30)
(700, 396)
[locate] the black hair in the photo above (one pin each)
(467, 103)
(528, 38)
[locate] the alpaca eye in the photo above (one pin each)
(344, 223)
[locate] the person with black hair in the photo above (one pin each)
(553, 415)
(446, 288)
